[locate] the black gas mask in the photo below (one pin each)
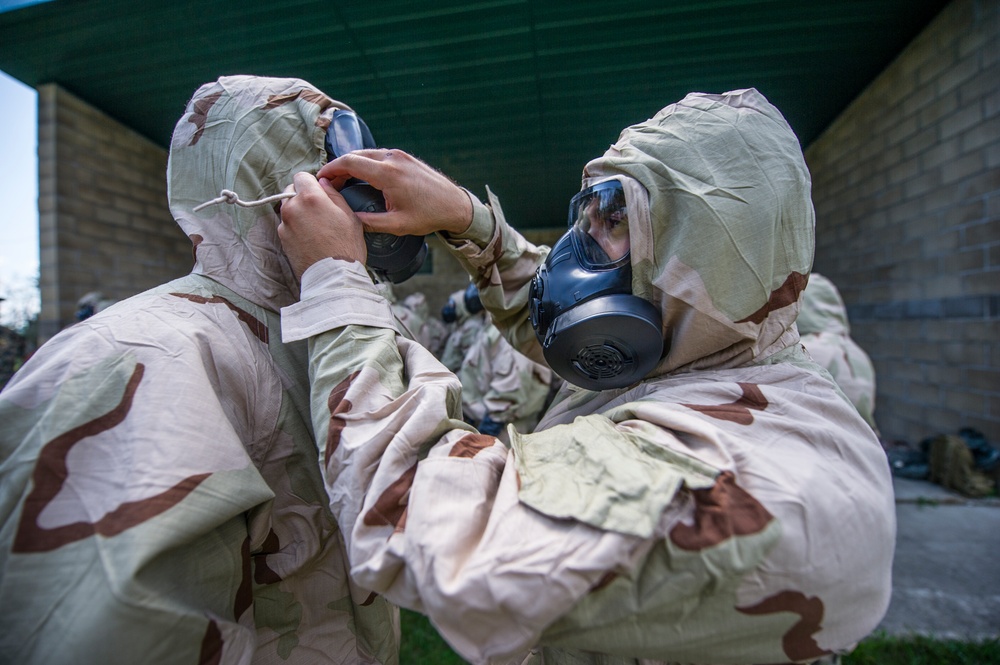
(473, 305)
(449, 313)
(470, 300)
(594, 333)
(395, 258)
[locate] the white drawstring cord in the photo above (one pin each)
(230, 197)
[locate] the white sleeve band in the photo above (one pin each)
(335, 293)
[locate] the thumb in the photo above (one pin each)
(334, 195)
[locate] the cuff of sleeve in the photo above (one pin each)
(482, 221)
(478, 242)
(334, 294)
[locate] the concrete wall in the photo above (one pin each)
(102, 203)
(906, 184)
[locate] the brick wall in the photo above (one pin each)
(103, 218)
(906, 184)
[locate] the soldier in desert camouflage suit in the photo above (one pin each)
(732, 507)
(501, 386)
(414, 316)
(826, 334)
(159, 492)
(467, 327)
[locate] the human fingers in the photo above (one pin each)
(425, 199)
(364, 165)
(316, 223)
(395, 222)
(334, 195)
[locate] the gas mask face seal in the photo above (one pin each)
(594, 333)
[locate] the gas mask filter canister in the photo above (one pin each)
(594, 333)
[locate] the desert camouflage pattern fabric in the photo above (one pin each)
(826, 334)
(730, 508)
(503, 384)
(159, 492)
(465, 332)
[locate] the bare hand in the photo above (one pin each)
(419, 199)
(317, 223)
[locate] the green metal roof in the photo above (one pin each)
(515, 94)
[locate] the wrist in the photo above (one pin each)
(464, 212)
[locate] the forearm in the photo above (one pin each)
(502, 263)
(429, 507)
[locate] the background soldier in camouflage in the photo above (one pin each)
(731, 507)
(414, 315)
(826, 334)
(159, 491)
(501, 386)
(468, 322)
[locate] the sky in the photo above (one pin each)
(19, 197)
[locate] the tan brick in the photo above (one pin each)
(979, 331)
(923, 393)
(961, 120)
(982, 283)
(904, 132)
(962, 167)
(993, 155)
(926, 185)
(958, 353)
(127, 204)
(905, 170)
(964, 261)
(984, 379)
(941, 152)
(909, 371)
(941, 286)
(941, 199)
(981, 233)
(111, 216)
(943, 106)
(960, 73)
(970, 43)
(984, 134)
(933, 68)
(991, 96)
(968, 402)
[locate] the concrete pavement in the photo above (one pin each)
(946, 573)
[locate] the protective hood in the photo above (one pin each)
(822, 308)
(417, 303)
(728, 243)
(249, 135)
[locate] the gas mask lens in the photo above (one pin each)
(598, 219)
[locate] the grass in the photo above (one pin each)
(880, 649)
(423, 646)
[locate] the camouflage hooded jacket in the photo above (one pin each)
(826, 334)
(160, 500)
(730, 508)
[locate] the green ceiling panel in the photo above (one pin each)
(515, 94)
